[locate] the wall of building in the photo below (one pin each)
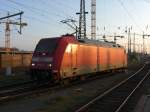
(15, 60)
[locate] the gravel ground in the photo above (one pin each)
(63, 100)
(146, 106)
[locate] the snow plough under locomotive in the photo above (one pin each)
(65, 57)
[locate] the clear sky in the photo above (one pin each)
(44, 16)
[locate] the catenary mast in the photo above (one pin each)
(93, 19)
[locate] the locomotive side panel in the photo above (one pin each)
(117, 58)
(112, 58)
(103, 59)
(68, 64)
(87, 59)
(91, 58)
(65, 65)
(78, 59)
(121, 58)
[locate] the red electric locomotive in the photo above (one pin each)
(65, 57)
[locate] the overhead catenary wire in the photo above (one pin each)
(35, 16)
(3, 10)
(129, 14)
(41, 12)
(35, 9)
(9, 7)
(43, 20)
(57, 7)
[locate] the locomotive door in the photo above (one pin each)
(74, 58)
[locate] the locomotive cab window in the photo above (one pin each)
(47, 45)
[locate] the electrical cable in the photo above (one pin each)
(34, 9)
(129, 14)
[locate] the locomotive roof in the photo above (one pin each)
(100, 43)
(96, 42)
(93, 42)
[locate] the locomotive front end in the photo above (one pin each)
(43, 59)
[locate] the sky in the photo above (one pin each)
(43, 18)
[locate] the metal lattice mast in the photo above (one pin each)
(93, 19)
(7, 37)
(82, 20)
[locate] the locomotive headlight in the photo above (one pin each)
(50, 65)
(33, 64)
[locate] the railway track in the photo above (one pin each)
(26, 89)
(26, 83)
(115, 99)
(31, 88)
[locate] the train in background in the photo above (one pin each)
(65, 57)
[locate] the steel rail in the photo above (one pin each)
(84, 107)
(6, 87)
(24, 92)
(125, 101)
(20, 92)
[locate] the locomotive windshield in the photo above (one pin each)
(47, 45)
